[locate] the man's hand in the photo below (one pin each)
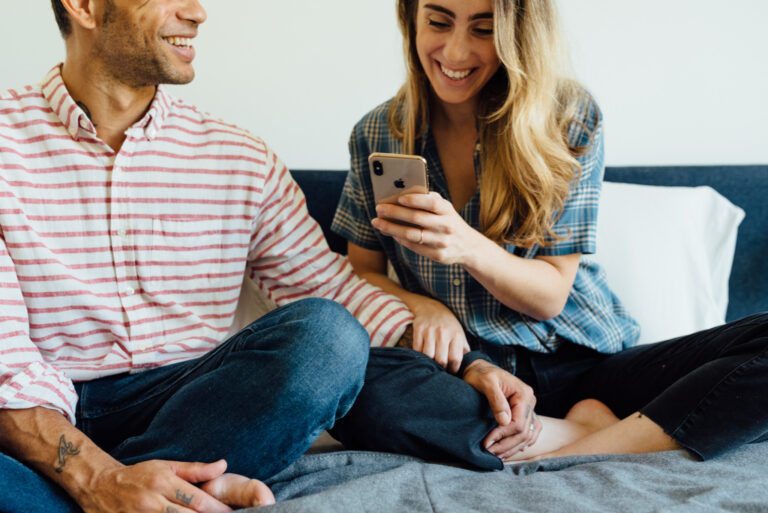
(154, 486)
(45, 440)
(512, 403)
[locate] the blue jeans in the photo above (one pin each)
(707, 390)
(258, 400)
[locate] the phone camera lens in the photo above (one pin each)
(378, 168)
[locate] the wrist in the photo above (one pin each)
(478, 248)
(472, 359)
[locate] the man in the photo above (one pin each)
(127, 220)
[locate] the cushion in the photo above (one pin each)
(667, 252)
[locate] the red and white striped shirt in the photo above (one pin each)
(121, 262)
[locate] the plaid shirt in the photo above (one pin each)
(593, 315)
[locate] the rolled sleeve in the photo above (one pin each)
(26, 380)
(37, 384)
(577, 224)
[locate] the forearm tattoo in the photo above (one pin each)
(171, 509)
(65, 449)
(186, 499)
(483, 368)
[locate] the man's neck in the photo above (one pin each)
(112, 106)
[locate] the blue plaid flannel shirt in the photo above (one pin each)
(593, 316)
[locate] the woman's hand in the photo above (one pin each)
(440, 232)
(438, 333)
(512, 403)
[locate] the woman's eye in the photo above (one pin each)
(484, 31)
(437, 24)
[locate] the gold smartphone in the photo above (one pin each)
(393, 174)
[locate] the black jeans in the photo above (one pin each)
(708, 391)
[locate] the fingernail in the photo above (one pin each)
(503, 418)
(489, 444)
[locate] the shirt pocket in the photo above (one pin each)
(190, 256)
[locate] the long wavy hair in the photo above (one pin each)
(525, 112)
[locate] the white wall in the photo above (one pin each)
(679, 81)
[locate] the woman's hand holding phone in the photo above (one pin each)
(429, 225)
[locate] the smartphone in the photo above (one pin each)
(393, 174)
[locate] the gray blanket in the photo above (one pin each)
(673, 482)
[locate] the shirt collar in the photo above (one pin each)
(77, 122)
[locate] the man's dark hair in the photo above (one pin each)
(62, 17)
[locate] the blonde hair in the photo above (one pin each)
(526, 111)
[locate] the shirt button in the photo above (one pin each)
(84, 123)
(116, 169)
(143, 346)
(457, 282)
(121, 232)
(129, 291)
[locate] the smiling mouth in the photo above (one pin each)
(179, 42)
(456, 74)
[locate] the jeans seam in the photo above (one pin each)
(706, 399)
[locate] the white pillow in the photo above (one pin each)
(667, 252)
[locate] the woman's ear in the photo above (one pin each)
(82, 12)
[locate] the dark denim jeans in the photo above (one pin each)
(259, 400)
(708, 390)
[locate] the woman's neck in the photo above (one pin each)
(454, 118)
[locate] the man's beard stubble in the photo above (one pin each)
(131, 57)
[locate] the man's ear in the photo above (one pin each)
(82, 12)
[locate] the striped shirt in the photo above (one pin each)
(122, 262)
(592, 316)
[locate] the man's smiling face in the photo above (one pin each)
(149, 42)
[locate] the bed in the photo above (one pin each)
(349, 481)
(674, 481)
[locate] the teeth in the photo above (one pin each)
(455, 75)
(184, 42)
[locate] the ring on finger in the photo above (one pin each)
(421, 236)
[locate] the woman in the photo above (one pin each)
(491, 259)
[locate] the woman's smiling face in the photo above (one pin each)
(454, 42)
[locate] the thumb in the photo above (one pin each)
(499, 404)
(198, 472)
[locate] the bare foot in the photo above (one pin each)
(635, 434)
(592, 414)
(238, 491)
(584, 419)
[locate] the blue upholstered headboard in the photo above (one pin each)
(745, 186)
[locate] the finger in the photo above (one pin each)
(509, 444)
(513, 452)
(418, 338)
(403, 214)
(240, 491)
(498, 402)
(455, 356)
(442, 348)
(431, 202)
(190, 496)
(428, 346)
(498, 433)
(172, 507)
(198, 472)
